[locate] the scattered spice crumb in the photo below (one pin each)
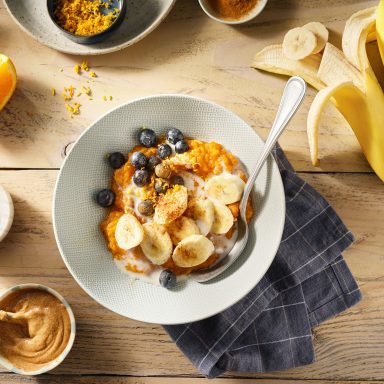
(90, 98)
(77, 69)
(87, 90)
(84, 65)
(73, 109)
(68, 92)
(78, 94)
(53, 91)
(92, 74)
(61, 69)
(105, 98)
(110, 97)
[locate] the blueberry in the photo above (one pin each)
(139, 160)
(147, 138)
(174, 135)
(161, 186)
(181, 146)
(164, 151)
(167, 279)
(177, 180)
(152, 162)
(105, 198)
(141, 177)
(116, 160)
(146, 208)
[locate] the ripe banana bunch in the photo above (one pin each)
(344, 77)
(179, 234)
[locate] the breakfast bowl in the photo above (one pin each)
(69, 334)
(213, 12)
(115, 11)
(77, 216)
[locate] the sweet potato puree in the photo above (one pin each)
(202, 159)
(40, 332)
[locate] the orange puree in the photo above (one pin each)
(202, 158)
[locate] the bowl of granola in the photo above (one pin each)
(150, 193)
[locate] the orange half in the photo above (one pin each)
(7, 80)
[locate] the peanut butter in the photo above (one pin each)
(41, 332)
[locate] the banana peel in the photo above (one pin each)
(346, 78)
(380, 28)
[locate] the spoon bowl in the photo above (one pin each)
(292, 97)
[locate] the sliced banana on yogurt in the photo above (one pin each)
(157, 244)
(129, 232)
(223, 218)
(192, 251)
(226, 188)
(181, 228)
(171, 205)
(203, 213)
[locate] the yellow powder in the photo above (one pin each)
(83, 17)
(92, 74)
(73, 109)
(76, 68)
(53, 91)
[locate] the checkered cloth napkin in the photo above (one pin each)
(307, 283)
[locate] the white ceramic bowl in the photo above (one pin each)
(141, 18)
(248, 17)
(6, 212)
(53, 364)
(76, 216)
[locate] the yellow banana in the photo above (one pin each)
(348, 80)
(380, 28)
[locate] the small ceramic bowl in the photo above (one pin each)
(205, 5)
(6, 212)
(53, 364)
(97, 37)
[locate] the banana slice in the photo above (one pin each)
(225, 188)
(272, 59)
(321, 33)
(299, 43)
(157, 244)
(192, 251)
(203, 213)
(171, 205)
(223, 218)
(181, 228)
(129, 232)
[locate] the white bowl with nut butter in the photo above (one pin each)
(42, 323)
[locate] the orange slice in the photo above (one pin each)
(7, 80)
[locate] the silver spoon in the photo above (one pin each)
(292, 97)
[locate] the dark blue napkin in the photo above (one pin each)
(307, 283)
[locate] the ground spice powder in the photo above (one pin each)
(232, 9)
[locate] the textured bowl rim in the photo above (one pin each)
(207, 315)
(103, 51)
(53, 364)
(250, 16)
(5, 230)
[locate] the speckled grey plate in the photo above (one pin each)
(76, 216)
(142, 17)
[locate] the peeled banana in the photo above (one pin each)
(226, 188)
(346, 78)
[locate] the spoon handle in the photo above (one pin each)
(293, 95)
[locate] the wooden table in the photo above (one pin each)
(191, 54)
